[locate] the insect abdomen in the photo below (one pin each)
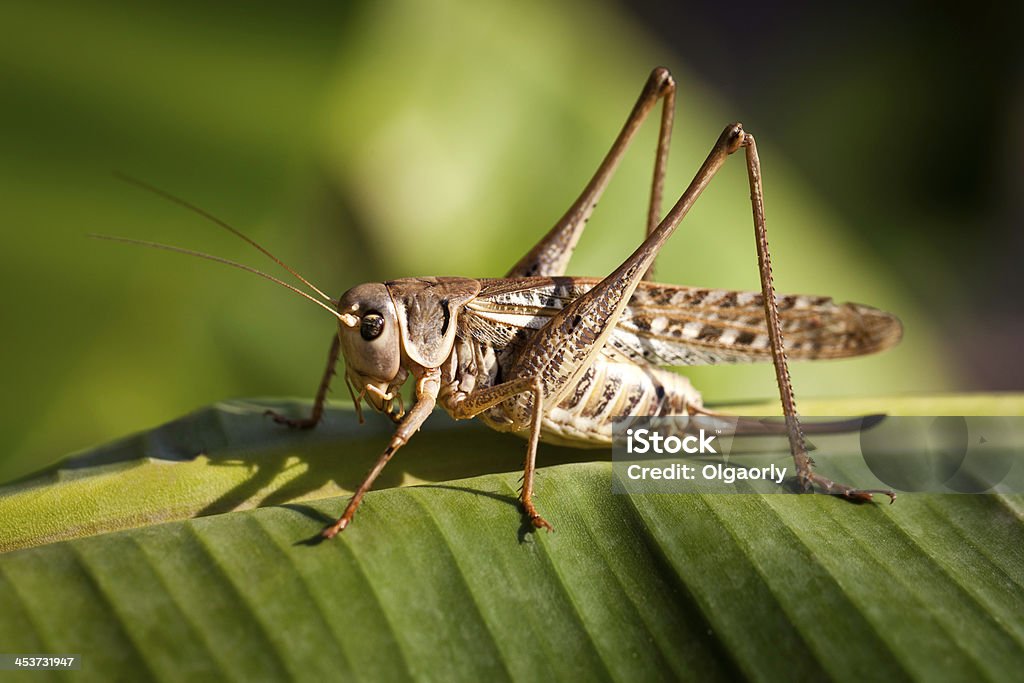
(610, 389)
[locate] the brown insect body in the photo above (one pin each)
(662, 325)
(548, 356)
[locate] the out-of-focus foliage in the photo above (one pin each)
(358, 141)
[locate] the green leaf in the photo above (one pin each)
(230, 456)
(442, 581)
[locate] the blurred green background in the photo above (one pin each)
(367, 141)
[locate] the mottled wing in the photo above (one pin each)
(671, 325)
(675, 325)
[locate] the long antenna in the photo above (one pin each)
(216, 221)
(218, 259)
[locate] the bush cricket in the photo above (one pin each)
(555, 358)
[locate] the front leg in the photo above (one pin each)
(484, 399)
(428, 383)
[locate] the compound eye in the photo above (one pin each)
(372, 326)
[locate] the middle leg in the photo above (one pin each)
(484, 399)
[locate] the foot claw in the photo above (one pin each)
(334, 529)
(866, 495)
(540, 523)
(280, 419)
(831, 488)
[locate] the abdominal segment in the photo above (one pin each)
(610, 389)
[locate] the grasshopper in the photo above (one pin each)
(554, 358)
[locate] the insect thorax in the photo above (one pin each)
(611, 386)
